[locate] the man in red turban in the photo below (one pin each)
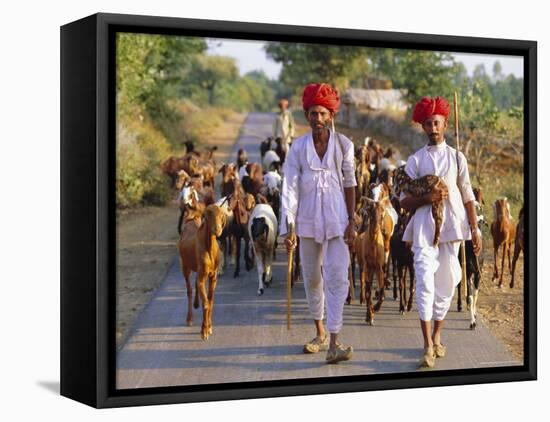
(437, 268)
(318, 196)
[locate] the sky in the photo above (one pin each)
(251, 56)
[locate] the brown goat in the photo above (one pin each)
(419, 187)
(199, 253)
(503, 232)
(362, 171)
(229, 174)
(255, 179)
(519, 244)
(373, 255)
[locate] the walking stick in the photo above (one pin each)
(290, 262)
(462, 243)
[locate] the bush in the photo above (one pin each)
(199, 125)
(140, 150)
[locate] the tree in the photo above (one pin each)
(209, 71)
(508, 92)
(419, 73)
(497, 71)
(311, 63)
(148, 65)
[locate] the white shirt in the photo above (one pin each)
(313, 190)
(440, 160)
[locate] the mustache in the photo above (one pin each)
(324, 125)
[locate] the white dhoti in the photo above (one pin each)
(438, 272)
(329, 286)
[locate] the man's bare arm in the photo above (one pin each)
(350, 201)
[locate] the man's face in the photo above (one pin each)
(435, 127)
(319, 118)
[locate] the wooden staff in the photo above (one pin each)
(290, 263)
(462, 244)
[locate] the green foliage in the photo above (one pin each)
(140, 150)
(149, 65)
(310, 63)
(508, 92)
(215, 81)
(417, 72)
(207, 72)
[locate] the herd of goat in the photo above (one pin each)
(213, 230)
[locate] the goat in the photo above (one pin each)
(199, 253)
(402, 260)
(503, 231)
(262, 229)
(270, 157)
(373, 255)
(241, 204)
(242, 158)
(519, 244)
(419, 187)
(473, 281)
(265, 146)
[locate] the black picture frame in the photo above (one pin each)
(88, 351)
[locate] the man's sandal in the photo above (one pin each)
(339, 354)
(440, 350)
(428, 358)
(316, 345)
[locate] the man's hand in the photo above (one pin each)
(290, 241)
(350, 234)
(476, 241)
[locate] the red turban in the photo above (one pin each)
(320, 94)
(427, 107)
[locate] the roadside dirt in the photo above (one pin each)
(502, 310)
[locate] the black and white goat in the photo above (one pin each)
(262, 228)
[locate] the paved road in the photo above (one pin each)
(251, 342)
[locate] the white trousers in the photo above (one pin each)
(327, 286)
(438, 272)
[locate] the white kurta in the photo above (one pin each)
(313, 190)
(440, 160)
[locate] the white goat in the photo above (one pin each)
(270, 157)
(262, 228)
(273, 181)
